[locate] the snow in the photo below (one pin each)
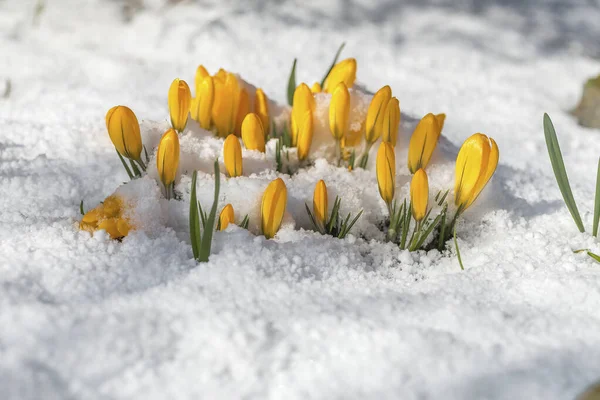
(301, 316)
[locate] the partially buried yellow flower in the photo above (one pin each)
(110, 216)
(305, 135)
(232, 153)
(419, 194)
(226, 217)
(376, 114)
(320, 203)
(261, 108)
(167, 159)
(339, 111)
(124, 131)
(423, 142)
(180, 100)
(344, 71)
(303, 100)
(391, 121)
(253, 133)
(475, 164)
(386, 172)
(272, 208)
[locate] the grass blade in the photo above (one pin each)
(210, 223)
(457, 250)
(292, 84)
(81, 208)
(597, 202)
(349, 227)
(337, 55)
(194, 219)
(560, 172)
(124, 164)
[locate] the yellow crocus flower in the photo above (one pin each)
(261, 108)
(180, 100)
(343, 71)
(225, 105)
(272, 208)
(303, 100)
(253, 133)
(202, 104)
(167, 159)
(320, 203)
(110, 216)
(339, 111)
(376, 114)
(124, 131)
(242, 110)
(475, 164)
(423, 142)
(232, 154)
(305, 135)
(386, 172)
(201, 74)
(391, 121)
(419, 194)
(226, 217)
(316, 88)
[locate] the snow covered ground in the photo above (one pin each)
(302, 316)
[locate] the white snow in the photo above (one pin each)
(302, 316)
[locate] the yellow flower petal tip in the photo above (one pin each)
(376, 114)
(203, 102)
(253, 133)
(226, 217)
(261, 108)
(320, 203)
(440, 118)
(343, 71)
(110, 216)
(272, 208)
(242, 110)
(232, 154)
(201, 74)
(124, 131)
(423, 142)
(339, 111)
(180, 100)
(386, 171)
(303, 100)
(475, 164)
(167, 158)
(419, 194)
(316, 88)
(391, 121)
(305, 135)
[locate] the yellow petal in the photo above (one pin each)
(339, 111)
(123, 226)
(419, 194)
(242, 111)
(343, 71)
(89, 222)
(221, 74)
(272, 208)
(305, 135)
(391, 121)
(253, 133)
(232, 153)
(471, 170)
(303, 100)
(167, 157)
(316, 88)
(489, 171)
(423, 142)
(261, 108)
(180, 99)
(353, 136)
(110, 225)
(386, 172)
(440, 118)
(111, 207)
(227, 216)
(201, 73)
(124, 131)
(320, 203)
(205, 100)
(376, 114)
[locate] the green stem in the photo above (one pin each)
(364, 157)
(457, 250)
(125, 165)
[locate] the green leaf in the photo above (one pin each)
(442, 237)
(208, 231)
(136, 170)
(245, 222)
(597, 202)
(292, 84)
(124, 165)
(194, 219)
(350, 225)
(457, 250)
(337, 55)
(589, 253)
(81, 208)
(560, 172)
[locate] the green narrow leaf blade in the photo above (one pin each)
(337, 55)
(194, 219)
(292, 84)
(81, 208)
(124, 165)
(597, 202)
(462, 267)
(210, 223)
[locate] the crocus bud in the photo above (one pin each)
(344, 71)
(303, 100)
(386, 171)
(180, 99)
(305, 134)
(227, 215)
(242, 111)
(475, 164)
(423, 142)
(110, 216)
(376, 114)
(272, 208)
(419, 194)
(320, 203)
(124, 131)
(201, 74)
(202, 104)
(339, 111)
(316, 88)
(225, 106)
(167, 158)
(391, 121)
(232, 153)
(261, 108)
(253, 133)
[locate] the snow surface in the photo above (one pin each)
(302, 316)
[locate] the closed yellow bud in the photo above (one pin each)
(376, 114)
(475, 164)
(225, 105)
(261, 108)
(253, 133)
(202, 104)
(226, 217)
(180, 100)
(303, 100)
(272, 208)
(124, 131)
(391, 121)
(339, 111)
(419, 194)
(167, 157)
(201, 73)
(320, 203)
(344, 71)
(423, 142)
(316, 88)
(386, 172)
(242, 110)
(232, 153)
(305, 135)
